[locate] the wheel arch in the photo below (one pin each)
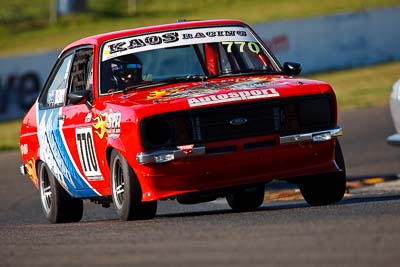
(117, 145)
(127, 191)
(121, 150)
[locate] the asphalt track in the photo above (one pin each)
(361, 230)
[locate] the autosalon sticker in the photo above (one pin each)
(175, 38)
(232, 96)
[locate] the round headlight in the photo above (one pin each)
(157, 132)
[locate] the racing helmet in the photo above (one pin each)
(127, 70)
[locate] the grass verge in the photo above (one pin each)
(9, 134)
(362, 87)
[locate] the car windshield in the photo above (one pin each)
(182, 55)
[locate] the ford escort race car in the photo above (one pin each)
(191, 111)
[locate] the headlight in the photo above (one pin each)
(156, 132)
(167, 131)
(316, 111)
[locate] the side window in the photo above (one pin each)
(56, 92)
(82, 71)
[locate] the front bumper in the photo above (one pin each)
(163, 156)
(316, 137)
(394, 140)
(22, 170)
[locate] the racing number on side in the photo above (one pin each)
(87, 154)
(86, 151)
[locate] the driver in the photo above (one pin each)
(127, 71)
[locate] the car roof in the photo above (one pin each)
(100, 38)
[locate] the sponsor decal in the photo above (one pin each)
(108, 123)
(210, 88)
(186, 149)
(177, 38)
(51, 149)
(31, 171)
(232, 96)
(114, 124)
(24, 149)
(88, 117)
(101, 125)
(55, 153)
(56, 97)
(251, 85)
(169, 92)
(87, 154)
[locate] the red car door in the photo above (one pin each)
(78, 126)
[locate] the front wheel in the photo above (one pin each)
(247, 199)
(58, 206)
(325, 189)
(126, 191)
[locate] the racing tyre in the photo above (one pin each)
(58, 206)
(127, 193)
(325, 189)
(247, 199)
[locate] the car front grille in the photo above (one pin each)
(283, 116)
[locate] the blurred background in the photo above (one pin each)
(352, 44)
(36, 25)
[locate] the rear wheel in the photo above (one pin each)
(126, 191)
(247, 199)
(325, 189)
(58, 206)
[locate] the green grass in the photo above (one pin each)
(24, 24)
(355, 88)
(362, 87)
(9, 137)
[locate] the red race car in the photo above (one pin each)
(191, 111)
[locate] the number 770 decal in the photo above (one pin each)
(87, 153)
(253, 47)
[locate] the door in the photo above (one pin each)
(56, 143)
(79, 121)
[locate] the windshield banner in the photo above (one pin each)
(175, 38)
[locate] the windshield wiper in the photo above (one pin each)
(245, 71)
(188, 78)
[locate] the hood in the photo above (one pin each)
(224, 90)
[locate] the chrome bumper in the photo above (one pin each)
(169, 155)
(22, 169)
(394, 140)
(173, 154)
(319, 136)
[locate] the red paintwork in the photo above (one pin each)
(192, 174)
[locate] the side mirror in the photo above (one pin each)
(292, 68)
(79, 97)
